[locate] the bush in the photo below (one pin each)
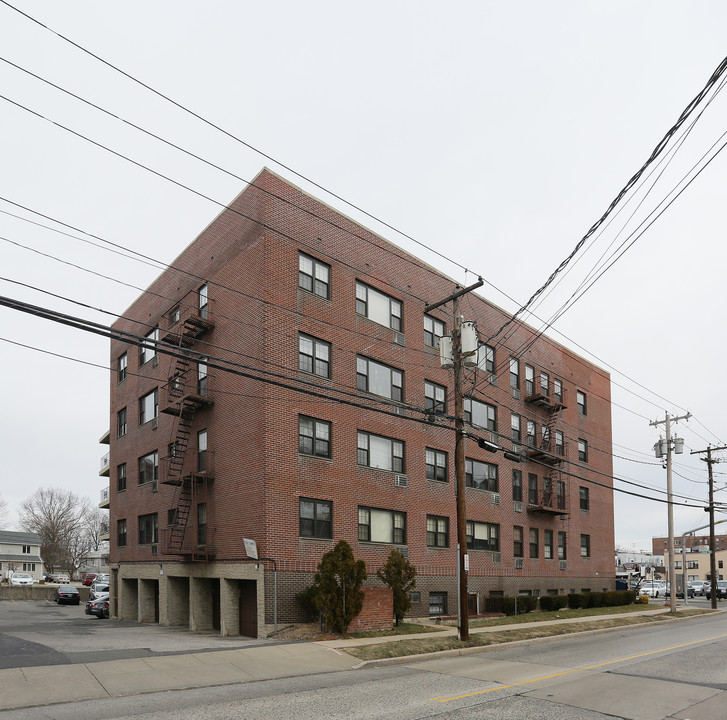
(398, 574)
(507, 605)
(307, 601)
(553, 602)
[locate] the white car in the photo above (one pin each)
(21, 579)
(653, 589)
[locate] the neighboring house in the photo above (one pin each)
(20, 552)
(696, 562)
(336, 423)
(660, 544)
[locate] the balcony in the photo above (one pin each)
(187, 320)
(548, 503)
(197, 543)
(186, 392)
(105, 465)
(194, 464)
(540, 396)
(105, 439)
(547, 452)
(105, 498)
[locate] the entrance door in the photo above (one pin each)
(248, 608)
(216, 625)
(472, 604)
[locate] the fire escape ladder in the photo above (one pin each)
(183, 506)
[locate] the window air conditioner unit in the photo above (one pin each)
(517, 506)
(495, 498)
(401, 481)
(399, 338)
(515, 393)
(519, 564)
(497, 557)
(563, 564)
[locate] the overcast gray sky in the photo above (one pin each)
(495, 133)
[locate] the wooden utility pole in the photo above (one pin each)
(459, 455)
(712, 543)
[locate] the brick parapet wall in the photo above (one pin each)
(377, 612)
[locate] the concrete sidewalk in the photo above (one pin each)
(38, 686)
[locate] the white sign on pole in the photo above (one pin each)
(466, 563)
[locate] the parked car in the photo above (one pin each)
(62, 578)
(103, 577)
(88, 578)
(679, 593)
(653, 589)
(98, 607)
(98, 589)
(697, 586)
(20, 579)
(721, 590)
(67, 594)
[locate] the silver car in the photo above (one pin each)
(21, 579)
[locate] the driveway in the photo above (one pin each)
(39, 632)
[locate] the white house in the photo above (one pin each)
(20, 552)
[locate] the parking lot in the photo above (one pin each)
(39, 632)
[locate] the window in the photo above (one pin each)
(315, 518)
(517, 485)
(437, 531)
(582, 450)
(486, 358)
(561, 545)
(382, 526)
(433, 330)
(436, 465)
(435, 397)
(202, 377)
(544, 384)
(202, 451)
(585, 546)
(514, 373)
(378, 379)
(314, 276)
(529, 380)
(530, 433)
(517, 541)
(149, 467)
(28, 567)
(560, 494)
(121, 422)
(581, 402)
(122, 367)
(121, 533)
(583, 498)
(483, 536)
(121, 477)
(148, 351)
(534, 542)
(480, 475)
(172, 516)
(314, 356)
(380, 452)
(201, 524)
(548, 544)
(149, 406)
(437, 603)
(558, 390)
(559, 443)
(480, 414)
(26, 550)
(314, 437)
(515, 426)
(174, 316)
(147, 529)
(378, 307)
(203, 301)
(532, 489)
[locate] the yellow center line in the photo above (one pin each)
(587, 667)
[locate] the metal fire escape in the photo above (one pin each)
(553, 497)
(184, 395)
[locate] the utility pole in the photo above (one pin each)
(459, 456)
(712, 543)
(667, 447)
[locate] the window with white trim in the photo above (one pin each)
(314, 437)
(436, 465)
(514, 373)
(486, 358)
(480, 475)
(581, 402)
(480, 414)
(378, 307)
(435, 397)
(148, 351)
(437, 531)
(148, 467)
(380, 452)
(314, 356)
(149, 406)
(515, 427)
(433, 330)
(122, 367)
(378, 379)
(582, 450)
(314, 276)
(381, 526)
(529, 380)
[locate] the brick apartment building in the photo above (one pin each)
(335, 421)
(696, 543)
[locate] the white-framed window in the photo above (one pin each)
(314, 437)
(202, 375)
(380, 452)
(480, 475)
(122, 367)
(437, 531)
(148, 467)
(581, 402)
(149, 406)
(314, 276)
(436, 465)
(529, 380)
(378, 307)
(530, 437)
(148, 529)
(378, 379)
(315, 518)
(582, 450)
(480, 414)
(515, 427)
(203, 301)
(314, 356)
(433, 330)
(483, 536)
(514, 373)
(148, 351)
(559, 443)
(382, 526)
(544, 384)
(557, 390)
(486, 358)
(435, 397)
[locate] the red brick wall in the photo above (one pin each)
(377, 612)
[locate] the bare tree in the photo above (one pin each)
(4, 513)
(96, 525)
(57, 517)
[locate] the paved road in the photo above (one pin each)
(674, 670)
